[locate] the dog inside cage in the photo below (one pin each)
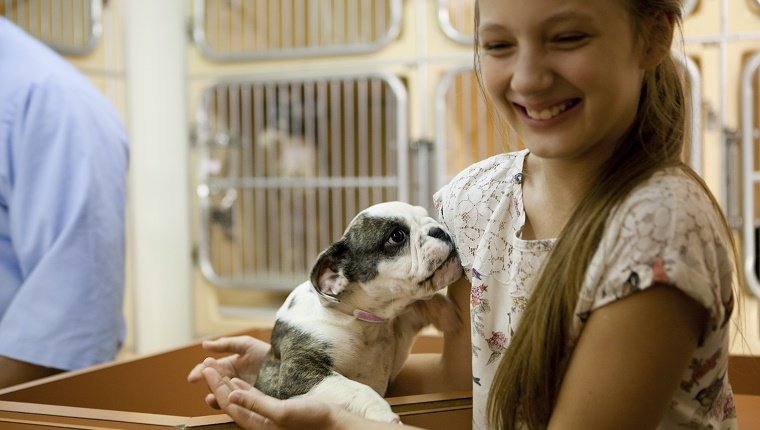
(288, 163)
(286, 141)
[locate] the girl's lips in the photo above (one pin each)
(547, 116)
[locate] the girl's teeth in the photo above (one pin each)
(547, 113)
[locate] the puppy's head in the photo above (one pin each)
(390, 255)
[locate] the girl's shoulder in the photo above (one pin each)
(673, 190)
(489, 172)
(493, 178)
(498, 162)
(668, 230)
(672, 203)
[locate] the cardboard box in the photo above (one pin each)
(152, 393)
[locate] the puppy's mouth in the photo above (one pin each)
(436, 277)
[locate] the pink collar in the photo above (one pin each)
(363, 315)
(360, 314)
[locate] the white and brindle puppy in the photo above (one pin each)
(344, 335)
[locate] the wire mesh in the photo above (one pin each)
(230, 30)
(285, 165)
(71, 27)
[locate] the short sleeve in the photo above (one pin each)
(474, 205)
(63, 226)
(439, 202)
(445, 205)
(667, 232)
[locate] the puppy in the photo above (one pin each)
(289, 149)
(296, 156)
(343, 335)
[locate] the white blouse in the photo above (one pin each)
(666, 231)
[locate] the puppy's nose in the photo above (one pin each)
(438, 234)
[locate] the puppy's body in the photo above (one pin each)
(344, 335)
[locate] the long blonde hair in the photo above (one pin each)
(529, 375)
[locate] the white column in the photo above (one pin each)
(155, 43)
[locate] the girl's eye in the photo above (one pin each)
(397, 237)
(495, 46)
(570, 38)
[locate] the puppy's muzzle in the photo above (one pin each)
(438, 233)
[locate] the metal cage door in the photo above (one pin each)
(237, 30)
(71, 27)
(284, 166)
(750, 134)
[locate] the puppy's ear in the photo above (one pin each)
(326, 275)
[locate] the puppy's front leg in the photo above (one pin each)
(354, 396)
(438, 310)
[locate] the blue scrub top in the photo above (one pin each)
(63, 165)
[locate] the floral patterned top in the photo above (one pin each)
(666, 231)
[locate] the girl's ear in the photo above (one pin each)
(657, 40)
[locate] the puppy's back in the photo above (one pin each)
(296, 362)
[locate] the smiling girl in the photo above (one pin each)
(616, 289)
(599, 267)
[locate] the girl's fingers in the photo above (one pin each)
(257, 402)
(220, 386)
(211, 401)
(247, 419)
(241, 384)
(196, 374)
(236, 344)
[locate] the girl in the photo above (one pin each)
(599, 266)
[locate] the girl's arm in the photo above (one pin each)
(449, 371)
(628, 361)
(14, 372)
(253, 410)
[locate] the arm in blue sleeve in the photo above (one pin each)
(65, 206)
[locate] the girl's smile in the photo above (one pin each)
(552, 114)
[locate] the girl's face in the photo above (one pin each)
(566, 74)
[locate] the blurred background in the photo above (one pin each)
(259, 128)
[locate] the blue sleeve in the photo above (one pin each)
(63, 202)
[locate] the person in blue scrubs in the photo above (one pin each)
(63, 167)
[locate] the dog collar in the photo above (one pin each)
(363, 315)
(357, 313)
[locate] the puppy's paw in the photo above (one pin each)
(441, 312)
(370, 405)
(382, 413)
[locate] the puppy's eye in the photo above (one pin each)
(397, 237)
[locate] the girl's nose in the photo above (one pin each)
(530, 73)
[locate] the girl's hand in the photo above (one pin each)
(253, 410)
(247, 355)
